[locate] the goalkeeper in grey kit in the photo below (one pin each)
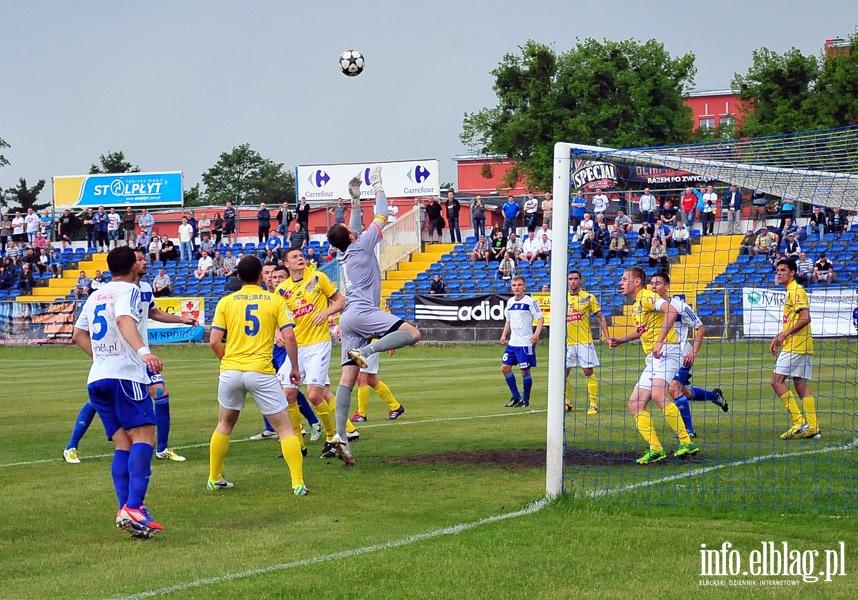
(362, 319)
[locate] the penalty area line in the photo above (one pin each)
(531, 508)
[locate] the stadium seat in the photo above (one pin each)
(470, 240)
(811, 237)
(837, 247)
(738, 278)
(731, 269)
(743, 258)
(817, 248)
(756, 279)
(848, 236)
(747, 269)
(760, 258)
(829, 237)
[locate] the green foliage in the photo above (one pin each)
(620, 94)
(836, 92)
(243, 176)
(23, 197)
(3, 161)
(194, 197)
(113, 162)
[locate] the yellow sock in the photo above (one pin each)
(349, 426)
(291, 448)
(363, 399)
(332, 406)
(593, 389)
(568, 391)
(794, 411)
(324, 413)
(295, 419)
(674, 420)
(217, 454)
(644, 424)
(809, 405)
(385, 394)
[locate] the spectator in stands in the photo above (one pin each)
(746, 246)
(787, 211)
(623, 223)
(478, 216)
(838, 222)
(43, 261)
(823, 270)
(263, 223)
(25, 279)
(46, 225)
(338, 212)
(510, 211)
(129, 225)
(41, 242)
(230, 223)
(204, 266)
(547, 211)
(544, 251)
(591, 248)
(658, 255)
(302, 215)
(545, 289)
(83, 286)
(817, 221)
(217, 227)
(146, 222)
(529, 248)
(31, 224)
(437, 286)
(204, 226)
(142, 241)
(436, 221)
(600, 203)
(6, 232)
(668, 214)
(689, 205)
(618, 247)
(506, 268)
(186, 240)
(792, 249)
(275, 243)
(66, 228)
(733, 208)
(453, 207)
(161, 284)
(759, 208)
(664, 233)
(284, 218)
(229, 263)
(601, 229)
(681, 238)
(114, 221)
(56, 264)
(645, 234)
(87, 218)
(298, 238)
(545, 230)
(707, 218)
(481, 251)
(647, 207)
(217, 264)
(19, 234)
(774, 259)
(97, 281)
(271, 257)
(531, 207)
(790, 228)
(585, 227)
(804, 269)
(7, 277)
(766, 243)
(13, 252)
(168, 250)
(579, 208)
(497, 245)
(312, 257)
(514, 246)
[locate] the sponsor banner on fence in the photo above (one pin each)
(830, 312)
(29, 323)
(168, 333)
(405, 178)
(118, 189)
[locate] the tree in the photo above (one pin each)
(26, 197)
(836, 92)
(113, 162)
(194, 197)
(3, 161)
(243, 176)
(620, 94)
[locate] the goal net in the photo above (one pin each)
(728, 280)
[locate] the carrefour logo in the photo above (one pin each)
(418, 174)
(319, 178)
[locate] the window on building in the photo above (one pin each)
(727, 121)
(707, 123)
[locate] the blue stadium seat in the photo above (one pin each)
(743, 258)
(738, 278)
(731, 269)
(817, 248)
(747, 269)
(811, 237)
(756, 279)
(837, 247)
(829, 237)
(470, 240)
(848, 236)
(760, 258)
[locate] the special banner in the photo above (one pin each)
(31, 323)
(170, 333)
(830, 312)
(118, 189)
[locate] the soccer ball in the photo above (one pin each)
(351, 63)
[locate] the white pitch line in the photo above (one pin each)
(362, 426)
(532, 508)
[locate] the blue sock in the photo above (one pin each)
(699, 395)
(84, 420)
(139, 471)
(162, 419)
(513, 386)
(306, 410)
(119, 472)
(268, 426)
(685, 411)
(527, 383)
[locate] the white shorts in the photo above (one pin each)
(233, 387)
(372, 364)
(795, 365)
(664, 368)
(581, 355)
(313, 363)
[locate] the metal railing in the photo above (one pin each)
(401, 239)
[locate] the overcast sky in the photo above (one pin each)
(174, 84)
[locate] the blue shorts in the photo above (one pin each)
(683, 376)
(523, 356)
(113, 234)
(154, 378)
(121, 404)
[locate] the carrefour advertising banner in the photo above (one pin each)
(169, 333)
(830, 312)
(118, 189)
(405, 178)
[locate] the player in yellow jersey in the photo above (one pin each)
(654, 318)
(249, 320)
(580, 351)
(795, 360)
(313, 299)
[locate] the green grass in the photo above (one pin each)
(57, 538)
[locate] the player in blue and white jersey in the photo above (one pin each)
(520, 313)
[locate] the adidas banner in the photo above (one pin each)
(476, 311)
